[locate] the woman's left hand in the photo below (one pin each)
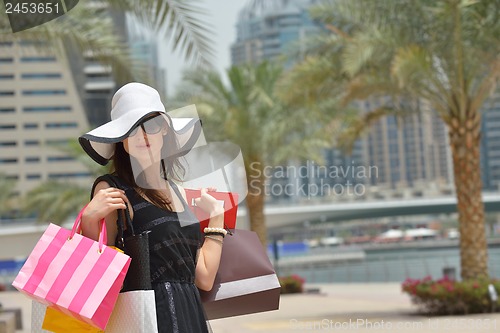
(208, 203)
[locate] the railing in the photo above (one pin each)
(387, 267)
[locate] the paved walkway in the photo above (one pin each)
(337, 308)
(353, 308)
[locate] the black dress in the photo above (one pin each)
(174, 241)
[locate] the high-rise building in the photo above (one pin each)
(40, 108)
(268, 29)
(144, 48)
(94, 80)
(490, 143)
(410, 152)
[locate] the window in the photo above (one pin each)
(7, 110)
(61, 125)
(30, 125)
(59, 158)
(31, 142)
(33, 176)
(55, 142)
(41, 76)
(6, 43)
(8, 143)
(7, 126)
(44, 92)
(7, 93)
(47, 109)
(6, 76)
(8, 160)
(6, 60)
(38, 59)
(32, 159)
(69, 175)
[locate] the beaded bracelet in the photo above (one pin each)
(214, 234)
(215, 239)
(219, 230)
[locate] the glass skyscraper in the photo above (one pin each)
(268, 29)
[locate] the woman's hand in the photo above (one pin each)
(208, 203)
(104, 202)
(104, 205)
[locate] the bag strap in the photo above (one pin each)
(111, 180)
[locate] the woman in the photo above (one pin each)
(145, 146)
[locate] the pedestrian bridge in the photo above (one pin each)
(277, 217)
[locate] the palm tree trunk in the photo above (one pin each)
(465, 148)
(255, 199)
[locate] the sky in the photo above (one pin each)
(222, 15)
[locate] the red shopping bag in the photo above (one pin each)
(229, 200)
(74, 274)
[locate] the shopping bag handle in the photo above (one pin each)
(77, 228)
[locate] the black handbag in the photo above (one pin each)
(136, 246)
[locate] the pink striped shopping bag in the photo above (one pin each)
(74, 274)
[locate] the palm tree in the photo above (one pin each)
(248, 113)
(443, 53)
(7, 187)
(55, 201)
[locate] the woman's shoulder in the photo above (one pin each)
(106, 181)
(100, 183)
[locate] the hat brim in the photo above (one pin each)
(99, 143)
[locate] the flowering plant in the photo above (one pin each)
(291, 284)
(446, 297)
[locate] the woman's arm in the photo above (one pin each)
(210, 252)
(209, 256)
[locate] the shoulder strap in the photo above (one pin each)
(112, 181)
(178, 193)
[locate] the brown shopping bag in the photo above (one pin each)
(246, 281)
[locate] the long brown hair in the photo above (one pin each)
(172, 169)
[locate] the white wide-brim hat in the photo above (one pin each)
(131, 104)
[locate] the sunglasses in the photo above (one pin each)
(150, 126)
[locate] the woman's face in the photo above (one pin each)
(146, 141)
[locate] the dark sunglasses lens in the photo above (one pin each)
(151, 126)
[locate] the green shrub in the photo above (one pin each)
(291, 284)
(448, 297)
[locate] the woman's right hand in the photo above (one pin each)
(104, 202)
(104, 205)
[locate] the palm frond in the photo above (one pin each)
(55, 201)
(180, 21)
(7, 188)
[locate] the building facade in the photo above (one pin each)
(411, 153)
(490, 144)
(40, 109)
(269, 29)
